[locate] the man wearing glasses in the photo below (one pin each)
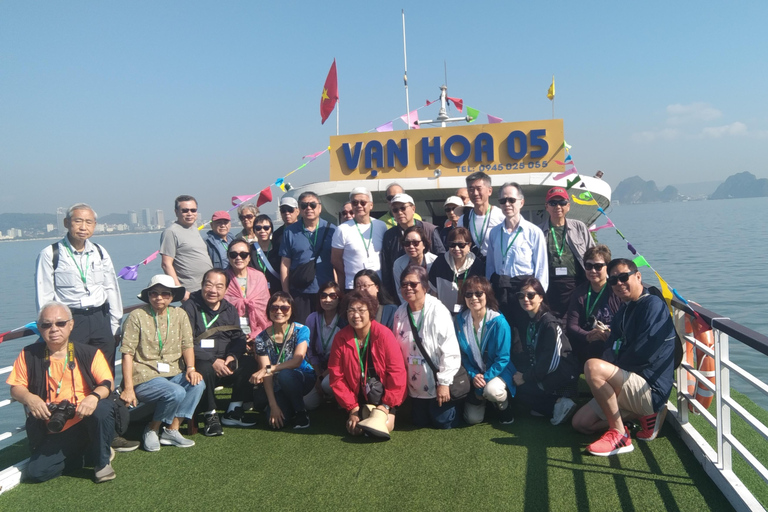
(357, 243)
(182, 249)
(79, 274)
(404, 210)
(78, 380)
(567, 241)
(634, 378)
(289, 213)
(390, 219)
(306, 255)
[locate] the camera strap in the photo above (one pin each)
(69, 363)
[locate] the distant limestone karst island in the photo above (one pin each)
(741, 185)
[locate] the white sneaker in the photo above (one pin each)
(151, 441)
(174, 438)
(563, 409)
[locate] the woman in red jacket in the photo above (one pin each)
(366, 365)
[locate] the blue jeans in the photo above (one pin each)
(290, 386)
(175, 397)
(426, 412)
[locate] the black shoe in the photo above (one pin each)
(236, 418)
(301, 420)
(121, 444)
(212, 425)
(507, 416)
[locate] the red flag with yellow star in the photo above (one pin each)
(330, 94)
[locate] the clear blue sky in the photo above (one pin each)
(127, 104)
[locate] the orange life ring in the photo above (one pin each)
(701, 361)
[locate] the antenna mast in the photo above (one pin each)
(405, 75)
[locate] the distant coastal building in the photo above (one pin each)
(49, 228)
(146, 218)
(160, 217)
(133, 219)
(61, 212)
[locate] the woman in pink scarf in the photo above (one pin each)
(247, 290)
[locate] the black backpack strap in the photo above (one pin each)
(417, 339)
(55, 257)
(322, 241)
(98, 248)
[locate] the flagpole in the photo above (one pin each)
(337, 99)
(337, 116)
(405, 76)
(553, 100)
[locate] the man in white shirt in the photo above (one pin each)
(517, 248)
(482, 217)
(79, 274)
(357, 243)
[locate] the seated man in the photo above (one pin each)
(634, 378)
(159, 363)
(63, 385)
(219, 349)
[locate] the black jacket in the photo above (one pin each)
(225, 342)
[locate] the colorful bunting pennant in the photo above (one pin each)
(151, 257)
(472, 113)
(386, 127)
(414, 119)
(238, 200)
(572, 182)
(265, 196)
(494, 119)
(583, 201)
(640, 261)
(458, 102)
(564, 174)
(608, 224)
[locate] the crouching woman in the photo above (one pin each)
(367, 370)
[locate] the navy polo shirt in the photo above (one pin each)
(298, 247)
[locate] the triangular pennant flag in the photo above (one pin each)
(313, 155)
(429, 103)
(386, 127)
(566, 146)
(457, 101)
(265, 196)
(414, 119)
(236, 200)
(568, 158)
(584, 202)
(564, 174)
(494, 119)
(640, 261)
(573, 182)
(666, 292)
(608, 224)
(472, 113)
(551, 90)
(150, 258)
(129, 273)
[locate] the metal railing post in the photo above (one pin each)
(724, 460)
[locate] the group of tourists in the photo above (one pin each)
(463, 320)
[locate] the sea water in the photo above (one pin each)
(712, 252)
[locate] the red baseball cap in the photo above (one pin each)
(556, 192)
(220, 215)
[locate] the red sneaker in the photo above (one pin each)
(651, 424)
(611, 443)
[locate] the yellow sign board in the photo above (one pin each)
(501, 148)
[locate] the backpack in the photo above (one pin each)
(679, 346)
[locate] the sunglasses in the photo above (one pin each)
(623, 277)
(188, 210)
(449, 209)
(399, 209)
(410, 284)
(460, 245)
(47, 325)
(357, 203)
(332, 295)
(505, 200)
(477, 294)
(262, 228)
(311, 205)
(286, 209)
(247, 217)
(594, 266)
(275, 308)
(164, 295)
(411, 243)
(348, 213)
(234, 254)
(557, 202)
(525, 295)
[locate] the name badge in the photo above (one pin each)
(561, 271)
(207, 343)
(319, 260)
(163, 367)
(457, 308)
(415, 360)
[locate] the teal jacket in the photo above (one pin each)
(495, 349)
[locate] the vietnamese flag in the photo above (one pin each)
(330, 94)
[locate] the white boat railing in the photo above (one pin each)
(718, 460)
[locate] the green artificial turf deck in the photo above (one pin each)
(529, 465)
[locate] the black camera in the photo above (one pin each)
(60, 414)
(593, 323)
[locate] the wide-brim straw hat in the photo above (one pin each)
(166, 282)
(376, 423)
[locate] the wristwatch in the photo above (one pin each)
(269, 369)
(386, 407)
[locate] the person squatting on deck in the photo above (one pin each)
(157, 339)
(220, 346)
(635, 376)
(79, 274)
(64, 385)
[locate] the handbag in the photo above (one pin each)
(459, 388)
(303, 275)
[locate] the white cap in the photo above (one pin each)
(457, 202)
(288, 201)
(402, 198)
